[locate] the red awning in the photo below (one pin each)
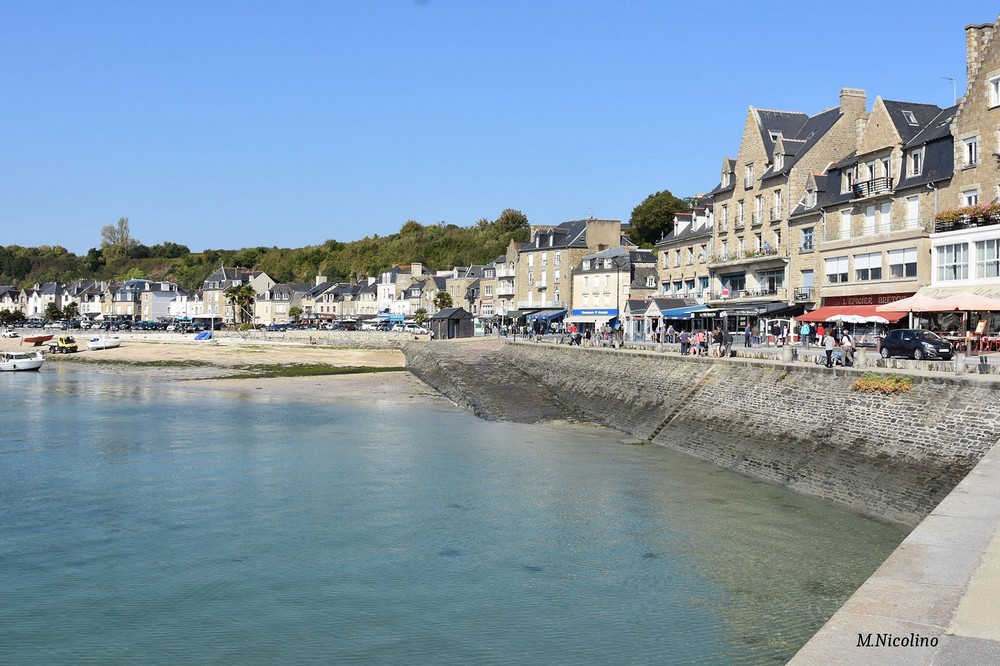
(831, 311)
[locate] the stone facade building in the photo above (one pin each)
(749, 271)
(683, 255)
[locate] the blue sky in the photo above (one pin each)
(222, 124)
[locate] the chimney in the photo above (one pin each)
(853, 101)
(320, 279)
(977, 37)
(416, 268)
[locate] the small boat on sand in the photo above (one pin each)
(104, 342)
(37, 340)
(15, 361)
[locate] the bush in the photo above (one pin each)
(873, 382)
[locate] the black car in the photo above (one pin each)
(915, 343)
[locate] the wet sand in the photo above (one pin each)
(213, 361)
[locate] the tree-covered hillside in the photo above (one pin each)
(121, 256)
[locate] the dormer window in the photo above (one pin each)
(916, 162)
(586, 264)
(779, 162)
(909, 118)
(810, 198)
(748, 177)
(775, 135)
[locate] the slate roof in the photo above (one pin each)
(939, 152)
(572, 234)
(801, 132)
(922, 113)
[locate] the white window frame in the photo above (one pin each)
(868, 267)
(994, 90)
(970, 197)
(916, 161)
(988, 259)
(835, 269)
(952, 262)
(808, 239)
(970, 152)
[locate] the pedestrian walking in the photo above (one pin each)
(829, 342)
(747, 334)
(804, 334)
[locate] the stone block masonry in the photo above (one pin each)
(794, 425)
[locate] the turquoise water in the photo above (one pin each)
(143, 522)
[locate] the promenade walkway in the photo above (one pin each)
(936, 599)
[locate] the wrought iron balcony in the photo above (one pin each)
(868, 188)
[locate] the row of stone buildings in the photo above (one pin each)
(839, 211)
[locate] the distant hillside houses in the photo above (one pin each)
(817, 214)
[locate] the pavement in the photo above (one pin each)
(936, 599)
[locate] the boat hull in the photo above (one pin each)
(16, 362)
(103, 343)
(37, 340)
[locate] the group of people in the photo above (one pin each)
(701, 343)
(838, 345)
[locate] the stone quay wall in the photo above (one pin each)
(795, 425)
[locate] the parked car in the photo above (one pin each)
(915, 343)
(10, 333)
(416, 329)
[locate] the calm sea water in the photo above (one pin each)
(141, 522)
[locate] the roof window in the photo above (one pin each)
(909, 117)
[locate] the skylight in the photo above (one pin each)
(909, 117)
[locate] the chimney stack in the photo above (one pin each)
(976, 39)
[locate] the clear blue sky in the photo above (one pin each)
(223, 124)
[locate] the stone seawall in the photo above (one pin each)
(794, 425)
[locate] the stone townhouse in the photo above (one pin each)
(604, 281)
(505, 295)
(310, 309)
(750, 273)
(543, 266)
(684, 254)
(155, 299)
(965, 252)
(11, 299)
(458, 285)
(186, 305)
(487, 295)
(272, 306)
(88, 295)
(216, 305)
(862, 228)
(38, 299)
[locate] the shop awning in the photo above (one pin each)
(545, 315)
(684, 313)
(840, 312)
(514, 314)
(589, 319)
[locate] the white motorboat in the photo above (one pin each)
(104, 342)
(15, 361)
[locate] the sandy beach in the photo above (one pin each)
(181, 359)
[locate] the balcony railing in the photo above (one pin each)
(749, 256)
(505, 289)
(541, 304)
(868, 188)
(879, 229)
(771, 293)
(803, 295)
(755, 219)
(965, 222)
(776, 213)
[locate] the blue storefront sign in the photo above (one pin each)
(596, 312)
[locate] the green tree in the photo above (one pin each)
(9, 317)
(241, 297)
(420, 316)
(72, 310)
(132, 274)
(442, 300)
(511, 221)
(52, 312)
(294, 313)
(654, 217)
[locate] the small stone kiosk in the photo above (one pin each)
(452, 323)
